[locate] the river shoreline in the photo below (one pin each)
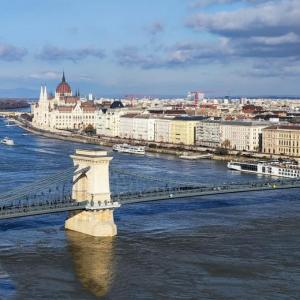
(150, 146)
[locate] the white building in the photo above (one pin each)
(64, 111)
(108, 122)
(126, 126)
(242, 135)
(77, 117)
(134, 126)
(143, 127)
(162, 130)
(41, 110)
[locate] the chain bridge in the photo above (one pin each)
(91, 190)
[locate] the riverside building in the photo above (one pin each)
(242, 135)
(208, 133)
(282, 140)
(139, 127)
(64, 110)
(108, 122)
(183, 130)
(162, 129)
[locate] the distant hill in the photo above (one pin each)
(13, 104)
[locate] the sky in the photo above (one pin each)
(157, 47)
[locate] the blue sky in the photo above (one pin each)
(117, 47)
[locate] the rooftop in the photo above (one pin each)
(284, 127)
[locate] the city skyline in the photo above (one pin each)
(222, 47)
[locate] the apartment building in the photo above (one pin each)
(134, 126)
(183, 130)
(162, 130)
(282, 140)
(242, 135)
(208, 133)
(108, 122)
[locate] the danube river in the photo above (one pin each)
(242, 246)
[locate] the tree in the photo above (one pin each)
(226, 144)
(221, 151)
(90, 130)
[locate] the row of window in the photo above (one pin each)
(74, 117)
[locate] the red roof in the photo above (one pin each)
(71, 100)
(88, 108)
(65, 108)
(63, 88)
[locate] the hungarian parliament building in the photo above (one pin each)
(63, 110)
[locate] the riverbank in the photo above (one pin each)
(152, 147)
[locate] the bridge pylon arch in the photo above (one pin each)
(92, 186)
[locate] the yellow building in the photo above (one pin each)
(183, 131)
(282, 140)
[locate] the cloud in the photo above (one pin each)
(54, 75)
(52, 53)
(51, 75)
(247, 36)
(207, 3)
(269, 68)
(195, 53)
(178, 55)
(155, 28)
(267, 19)
(11, 53)
(132, 56)
(270, 29)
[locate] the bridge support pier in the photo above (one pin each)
(93, 186)
(95, 223)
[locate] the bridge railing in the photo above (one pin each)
(188, 191)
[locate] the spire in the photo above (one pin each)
(41, 93)
(45, 93)
(63, 77)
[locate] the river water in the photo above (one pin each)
(242, 246)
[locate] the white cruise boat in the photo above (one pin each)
(272, 168)
(125, 148)
(7, 141)
(10, 122)
(196, 156)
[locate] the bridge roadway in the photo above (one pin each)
(188, 191)
(32, 209)
(11, 212)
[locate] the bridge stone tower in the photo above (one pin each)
(93, 186)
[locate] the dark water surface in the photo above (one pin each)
(242, 246)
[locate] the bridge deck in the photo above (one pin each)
(33, 210)
(185, 192)
(8, 212)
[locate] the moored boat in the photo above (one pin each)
(10, 122)
(125, 148)
(273, 168)
(7, 141)
(196, 156)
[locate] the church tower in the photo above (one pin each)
(41, 112)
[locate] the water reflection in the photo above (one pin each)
(93, 261)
